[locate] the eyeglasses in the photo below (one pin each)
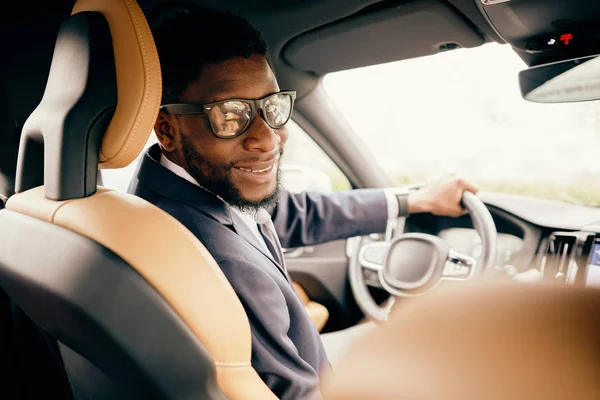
(232, 117)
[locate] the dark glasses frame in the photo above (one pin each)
(256, 106)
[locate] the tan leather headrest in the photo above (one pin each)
(484, 342)
(139, 84)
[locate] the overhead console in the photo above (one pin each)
(547, 30)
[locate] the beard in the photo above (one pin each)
(217, 179)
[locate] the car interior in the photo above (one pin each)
(501, 303)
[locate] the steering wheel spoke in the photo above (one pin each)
(458, 267)
(372, 256)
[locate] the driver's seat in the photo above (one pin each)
(132, 316)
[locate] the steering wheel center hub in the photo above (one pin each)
(414, 262)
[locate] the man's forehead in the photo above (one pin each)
(241, 88)
(236, 78)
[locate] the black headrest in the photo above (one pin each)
(77, 106)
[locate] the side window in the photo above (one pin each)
(307, 167)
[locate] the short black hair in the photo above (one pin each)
(188, 40)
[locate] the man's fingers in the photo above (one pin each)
(446, 198)
(466, 185)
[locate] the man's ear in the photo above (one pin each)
(166, 131)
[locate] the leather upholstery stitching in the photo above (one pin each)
(228, 364)
(57, 209)
(140, 113)
(131, 11)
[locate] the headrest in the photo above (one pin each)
(139, 85)
(100, 103)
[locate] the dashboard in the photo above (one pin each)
(557, 239)
(467, 241)
(568, 257)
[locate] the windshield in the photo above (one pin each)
(462, 112)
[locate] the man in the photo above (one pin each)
(217, 168)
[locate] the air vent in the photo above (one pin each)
(567, 254)
(559, 257)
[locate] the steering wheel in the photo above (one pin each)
(412, 264)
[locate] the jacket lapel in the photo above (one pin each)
(244, 231)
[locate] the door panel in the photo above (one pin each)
(323, 273)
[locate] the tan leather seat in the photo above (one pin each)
(191, 283)
(484, 342)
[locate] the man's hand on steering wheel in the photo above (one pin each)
(443, 199)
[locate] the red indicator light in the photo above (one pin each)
(566, 38)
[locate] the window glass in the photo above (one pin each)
(307, 167)
(462, 112)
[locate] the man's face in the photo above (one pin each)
(244, 170)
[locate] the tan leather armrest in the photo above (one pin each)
(318, 313)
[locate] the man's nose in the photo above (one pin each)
(261, 137)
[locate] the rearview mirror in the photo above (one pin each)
(562, 82)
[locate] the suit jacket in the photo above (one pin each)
(287, 351)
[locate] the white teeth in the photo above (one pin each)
(255, 170)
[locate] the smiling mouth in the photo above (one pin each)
(256, 171)
(259, 168)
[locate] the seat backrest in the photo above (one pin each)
(512, 341)
(131, 296)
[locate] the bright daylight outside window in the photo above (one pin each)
(462, 112)
(302, 152)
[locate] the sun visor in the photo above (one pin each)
(375, 36)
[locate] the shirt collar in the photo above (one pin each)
(177, 170)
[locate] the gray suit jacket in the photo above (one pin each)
(287, 351)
